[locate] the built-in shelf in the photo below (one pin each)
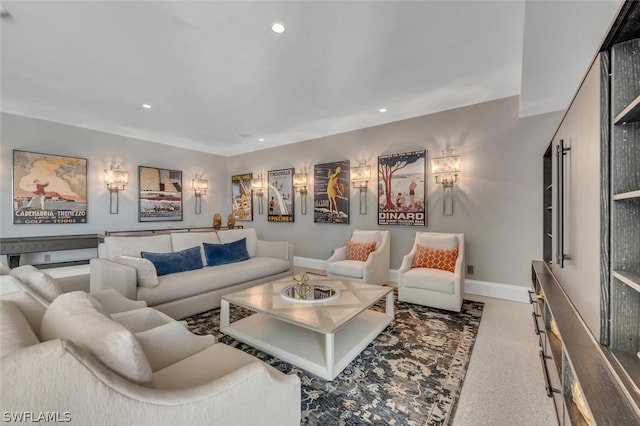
(621, 333)
(626, 195)
(631, 279)
(630, 113)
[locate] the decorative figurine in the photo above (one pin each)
(217, 221)
(301, 287)
(231, 221)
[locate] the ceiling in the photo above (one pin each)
(218, 79)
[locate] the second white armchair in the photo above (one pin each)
(356, 262)
(432, 274)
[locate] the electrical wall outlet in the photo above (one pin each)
(470, 269)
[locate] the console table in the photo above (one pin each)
(13, 248)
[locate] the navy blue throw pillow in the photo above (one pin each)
(220, 254)
(215, 254)
(179, 261)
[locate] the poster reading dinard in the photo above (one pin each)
(402, 189)
(49, 188)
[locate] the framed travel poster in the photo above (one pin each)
(331, 192)
(49, 188)
(241, 202)
(280, 195)
(402, 189)
(160, 194)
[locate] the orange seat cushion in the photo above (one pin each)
(427, 257)
(359, 251)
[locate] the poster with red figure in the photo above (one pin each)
(49, 189)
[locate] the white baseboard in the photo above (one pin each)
(511, 292)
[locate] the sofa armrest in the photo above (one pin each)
(407, 260)
(113, 302)
(183, 344)
(106, 274)
(338, 254)
(376, 268)
(459, 275)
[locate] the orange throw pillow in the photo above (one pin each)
(427, 257)
(359, 251)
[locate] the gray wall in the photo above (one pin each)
(497, 200)
(102, 149)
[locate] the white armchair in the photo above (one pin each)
(433, 285)
(373, 270)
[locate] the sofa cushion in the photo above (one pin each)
(72, 316)
(439, 241)
(179, 261)
(15, 329)
(429, 279)
(142, 319)
(221, 254)
(185, 240)
(365, 236)
(186, 284)
(203, 367)
(428, 257)
(279, 249)
(183, 344)
(347, 268)
(359, 251)
(40, 285)
(133, 246)
(232, 235)
(145, 270)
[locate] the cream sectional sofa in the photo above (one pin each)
(186, 293)
(83, 360)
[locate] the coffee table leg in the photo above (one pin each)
(224, 314)
(329, 351)
(389, 309)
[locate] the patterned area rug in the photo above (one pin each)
(411, 374)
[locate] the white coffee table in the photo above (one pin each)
(321, 338)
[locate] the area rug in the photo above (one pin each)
(411, 374)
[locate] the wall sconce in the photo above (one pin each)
(300, 183)
(258, 190)
(116, 180)
(446, 169)
(200, 187)
(360, 176)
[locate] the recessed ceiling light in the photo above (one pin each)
(261, 140)
(278, 28)
(382, 110)
(147, 106)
